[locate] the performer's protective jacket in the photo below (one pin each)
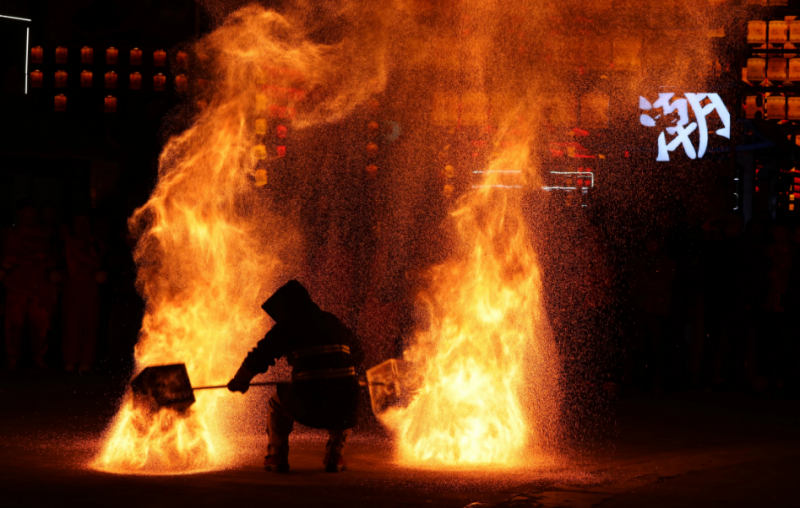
(324, 354)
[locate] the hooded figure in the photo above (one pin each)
(324, 394)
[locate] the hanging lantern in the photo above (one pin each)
(181, 83)
(778, 31)
(110, 104)
(61, 79)
(776, 69)
(261, 126)
(87, 55)
(111, 80)
(136, 56)
(86, 79)
(756, 31)
(794, 110)
(61, 55)
(61, 102)
(281, 150)
(447, 191)
(756, 69)
(776, 107)
(260, 152)
(37, 55)
(112, 55)
(372, 171)
(261, 101)
(281, 131)
(372, 149)
(261, 177)
(373, 127)
(136, 81)
(159, 82)
(182, 60)
(159, 58)
(278, 111)
(36, 79)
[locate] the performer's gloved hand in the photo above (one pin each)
(241, 381)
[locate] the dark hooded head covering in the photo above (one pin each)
(290, 301)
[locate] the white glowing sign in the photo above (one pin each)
(702, 104)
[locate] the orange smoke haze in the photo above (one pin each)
(216, 236)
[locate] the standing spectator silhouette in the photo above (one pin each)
(779, 256)
(654, 294)
(731, 283)
(26, 259)
(81, 301)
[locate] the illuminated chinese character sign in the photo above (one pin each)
(702, 105)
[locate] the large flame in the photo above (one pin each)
(212, 247)
(485, 348)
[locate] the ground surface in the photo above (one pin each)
(682, 450)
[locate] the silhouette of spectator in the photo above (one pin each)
(772, 347)
(654, 295)
(26, 258)
(81, 300)
(789, 353)
(127, 307)
(730, 283)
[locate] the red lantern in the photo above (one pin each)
(278, 111)
(159, 82)
(372, 149)
(373, 126)
(61, 102)
(136, 81)
(61, 55)
(181, 82)
(112, 55)
(159, 58)
(87, 55)
(61, 79)
(110, 104)
(37, 55)
(111, 80)
(136, 56)
(372, 170)
(182, 60)
(36, 79)
(281, 151)
(281, 131)
(86, 79)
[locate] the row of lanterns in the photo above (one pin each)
(372, 148)
(60, 104)
(777, 30)
(112, 56)
(774, 69)
(775, 107)
(111, 79)
(280, 116)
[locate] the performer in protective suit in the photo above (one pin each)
(324, 394)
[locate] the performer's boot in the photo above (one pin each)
(334, 461)
(279, 426)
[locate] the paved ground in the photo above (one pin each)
(681, 450)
